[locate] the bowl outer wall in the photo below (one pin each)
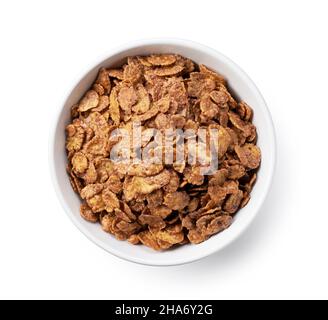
(238, 81)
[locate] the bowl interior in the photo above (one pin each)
(239, 83)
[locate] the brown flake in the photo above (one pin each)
(127, 97)
(96, 203)
(110, 200)
(142, 97)
(80, 163)
(161, 59)
(103, 80)
(87, 214)
(249, 155)
(89, 101)
(90, 190)
(168, 71)
(114, 107)
(75, 137)
(135, 185)
(103, 103)
(115, 73)
(151, 220)
(176, 200)
(132, 71)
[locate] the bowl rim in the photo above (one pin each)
(161, 41)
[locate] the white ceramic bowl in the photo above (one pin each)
(240, 84)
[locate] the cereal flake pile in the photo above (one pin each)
(160, 205)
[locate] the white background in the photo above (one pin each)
(282, 45)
